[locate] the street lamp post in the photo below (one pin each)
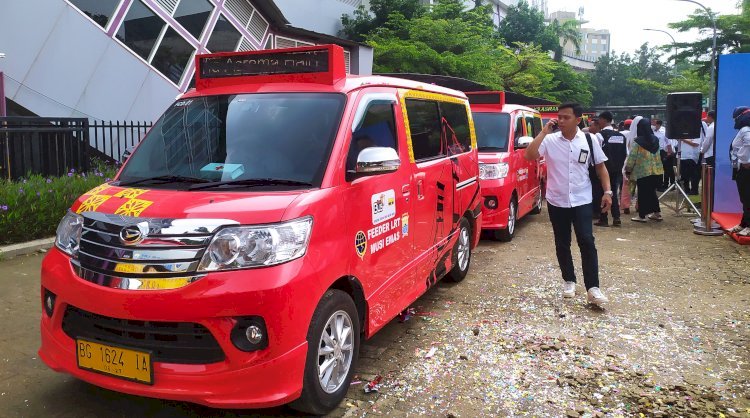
(3, 112)
(674, 43)
(713, 51)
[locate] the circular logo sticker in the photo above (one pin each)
(360, 244)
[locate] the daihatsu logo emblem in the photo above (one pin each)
(134, 234)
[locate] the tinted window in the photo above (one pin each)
(424, 124)
(224, 37)
(233, 137)
(173, 55)
(537, 125)
(492, 131)
(100, 11)
(456, 120)
(193, 15)
(376, 130)
(140, 29)
(518, 132)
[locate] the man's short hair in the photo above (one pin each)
(606, 115)
(712, 113)
(575, 107)
(658, 122)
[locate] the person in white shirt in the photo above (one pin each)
(569, 153)
(740, 157)
(707, 148)
(666, 152)
(689, 156)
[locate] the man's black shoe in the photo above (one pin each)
(616, 222)
(602, 222)
(626, 211)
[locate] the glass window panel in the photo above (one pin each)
(424, 124)
(224, 37)
(456, 120)
(173, 55)
(492, 131)
(193, 15)
(140, 29)
(98, 10)
(378, 129)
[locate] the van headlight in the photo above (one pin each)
(69, 233)
(493, 171)
(239, 247)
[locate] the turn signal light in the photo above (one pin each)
(49, 303)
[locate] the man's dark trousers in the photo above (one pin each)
(615, 182)
(690, 176)
(580, 218)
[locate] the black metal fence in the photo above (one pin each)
(54, 146)
(110, 139)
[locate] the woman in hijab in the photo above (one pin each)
(740, 156)
(644, 164)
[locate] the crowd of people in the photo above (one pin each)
(642, 162)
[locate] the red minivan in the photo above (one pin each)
(511, 186)
(271, 219)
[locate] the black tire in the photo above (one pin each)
(537, 209)
(461, 252)
(507, 234)
(314, 399)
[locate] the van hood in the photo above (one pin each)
(493, 157)
(243, 207)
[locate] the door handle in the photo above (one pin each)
(405, 190)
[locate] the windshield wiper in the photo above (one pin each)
(250, 183)
(169, 178)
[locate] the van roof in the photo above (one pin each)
(345, 85)
(318, 68)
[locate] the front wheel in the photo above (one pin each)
(510, 231)
(461, 252)
(537, 209)
(332, 352)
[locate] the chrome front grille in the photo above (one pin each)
(166, 256)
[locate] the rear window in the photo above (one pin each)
(492, 131)
(424, 124)
(456, 120)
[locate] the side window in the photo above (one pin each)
(424, 124)
(519, 129)
(456, 127)
(537, 126)
(530, 126)
(377, 129)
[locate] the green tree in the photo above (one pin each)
(366, 21)
(566, 32)
(525, 24)
(630, 80)
(732, 36)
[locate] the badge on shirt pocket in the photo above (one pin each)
(583, 156)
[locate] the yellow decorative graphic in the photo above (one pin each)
(133, 207)
(92, 203)
(418, 94)
(130, 193)
(98, 189)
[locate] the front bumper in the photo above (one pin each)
(264, 378)
(496, 218)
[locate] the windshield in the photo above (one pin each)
(492, 131)
(235, 138)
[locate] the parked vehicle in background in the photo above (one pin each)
(272, 218)
(511, 185)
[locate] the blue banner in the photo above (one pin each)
(733, 90)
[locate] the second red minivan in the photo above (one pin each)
(511, 185)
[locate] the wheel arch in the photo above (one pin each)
(352, 287)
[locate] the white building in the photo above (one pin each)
(129, 59)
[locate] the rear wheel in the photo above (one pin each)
(537, 209)
(461, 252)
(509, 231)
(332, 352)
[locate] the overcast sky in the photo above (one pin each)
(626, 19)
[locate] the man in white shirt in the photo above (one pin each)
(689, 172)
(569, 154)
(707, 148)
(666, 152)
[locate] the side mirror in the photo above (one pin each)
(377, 160)
(524, 141)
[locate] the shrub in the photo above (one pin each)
(32, 207)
